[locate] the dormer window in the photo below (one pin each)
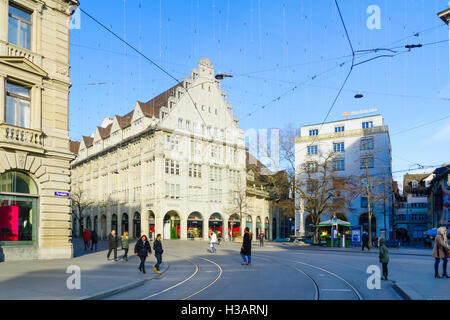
(19, 27)
(414, 184)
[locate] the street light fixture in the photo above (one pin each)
(221, 76)
(359, 96)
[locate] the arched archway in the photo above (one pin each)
(234, 226)
(364, 222)
(172, 224)
(124, 224)
(103, 230)
(266, 229)
(258, 226)
(96, 224)
(89, 223)
(136, 225)
(215, 224)
(18, 212)
(249, 222)
(195, 225)
(151, 224)
(114, 222)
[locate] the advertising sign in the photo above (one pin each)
(356, 234)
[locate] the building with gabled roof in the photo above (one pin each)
(172, 165)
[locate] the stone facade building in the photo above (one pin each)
(175, 165)
(34, 140)
(358, 147)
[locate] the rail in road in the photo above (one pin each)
(321, 292)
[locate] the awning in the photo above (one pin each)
(329, 223)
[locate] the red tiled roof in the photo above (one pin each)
(105, 132)
(88, 141)
(151, 108)
(74, 146)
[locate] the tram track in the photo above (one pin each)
(317, 287)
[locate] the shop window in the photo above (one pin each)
(18, 208)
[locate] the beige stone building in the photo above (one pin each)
(34, 136)
(174, 165)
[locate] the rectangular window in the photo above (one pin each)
(188, 125)
(339, 129)
(180, 123)
(367, 143)
(18, 105)
(314, 132)
(367, 162)
(363, 202)
(367, 124)
(19, 27)
(339, 165)
(312, 150)
(338, 147)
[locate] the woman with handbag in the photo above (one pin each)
(142, 249)
(440, 251)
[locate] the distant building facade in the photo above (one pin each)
(438, 193)
(174, 165)
(354, 144)
(410, 213)
(34, 144)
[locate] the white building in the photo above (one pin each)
(173, 166)
(355, 144)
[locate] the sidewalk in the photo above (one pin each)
(400, 251)
(46, 279)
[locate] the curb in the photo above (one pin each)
(357, 251)
(406, 292)
(114, 291)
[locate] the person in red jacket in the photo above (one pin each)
(86, 238)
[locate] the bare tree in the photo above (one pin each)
(318, 188)
(376, 188)
(80, 203)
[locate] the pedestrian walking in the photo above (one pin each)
(213, 241)
(94, 240)
(440, 251)
(261, 239)
(157, 247)
(142, 249)
(365, 241)
(125, 245)
(112, 244)
(384, 258)
(86, 239)
(246, 249)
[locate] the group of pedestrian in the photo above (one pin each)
(141, 249)
(440, 252)
(90, 239)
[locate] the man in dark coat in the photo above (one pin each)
(246, 249)
(112, 244)
(365, 241)
(157, 246)
(94, 240)
(142, 249)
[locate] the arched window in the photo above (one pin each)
(414, 184)
(18, 208)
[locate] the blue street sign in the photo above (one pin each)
(356, 235)
(62, 194)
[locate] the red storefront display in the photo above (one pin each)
(9, 223)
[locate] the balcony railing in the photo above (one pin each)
(21, 136)
(8, 49)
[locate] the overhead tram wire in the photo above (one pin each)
(145, 57)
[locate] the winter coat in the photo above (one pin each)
(365, 238)
(112, 241)
(213, 238)
(125, 242)
(384, 252)
(86, 236)
(142, 248)
(157, 246)
(94, 237)
(442, 243)
(247, 244)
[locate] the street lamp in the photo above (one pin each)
(359, 96)
(221, 76)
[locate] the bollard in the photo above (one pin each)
(343, 241)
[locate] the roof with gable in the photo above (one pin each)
(88, 141)
(74, 146)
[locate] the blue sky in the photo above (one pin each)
(270, 47)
